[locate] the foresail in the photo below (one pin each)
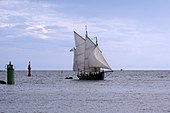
(79, 54)
(96, 59)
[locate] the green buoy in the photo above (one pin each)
(10, 74)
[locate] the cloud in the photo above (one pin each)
(42, 21)
(6, 25)
(45, 20)
(39, 24)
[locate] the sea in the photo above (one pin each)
(127, 91)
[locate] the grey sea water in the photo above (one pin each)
(120, 92)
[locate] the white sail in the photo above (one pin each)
(79, 54)
(89, 47)
(75, 67)
(96, 59)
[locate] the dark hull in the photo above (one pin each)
(97, 76)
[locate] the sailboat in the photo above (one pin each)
(89, 63)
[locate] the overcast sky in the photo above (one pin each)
(132, 34)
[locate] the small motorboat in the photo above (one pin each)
(69, 78)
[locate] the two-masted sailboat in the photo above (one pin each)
(89, 62)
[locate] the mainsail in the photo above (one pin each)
(87, 55)
(79, 52)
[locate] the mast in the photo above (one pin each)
(96, 41)
(89, 48)
(86, 30)
(86, 35)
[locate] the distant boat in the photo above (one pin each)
(69, 78)
(88, 59)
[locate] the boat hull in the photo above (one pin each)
(97, 76)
